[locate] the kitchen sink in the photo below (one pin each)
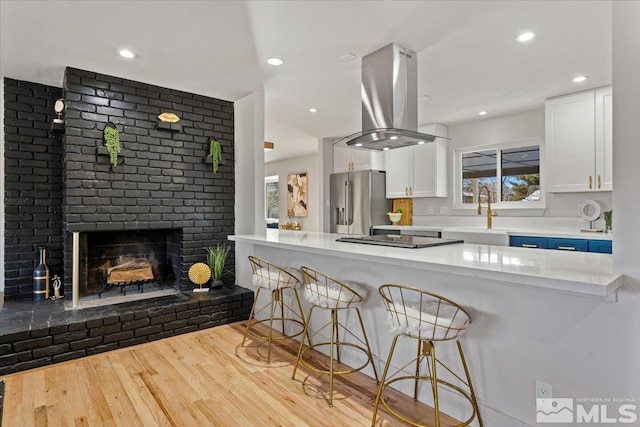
(481, 236)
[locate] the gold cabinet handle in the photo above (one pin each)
(590, 183)
(411, 191)
(599, 181)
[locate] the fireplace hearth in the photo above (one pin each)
(39, 334)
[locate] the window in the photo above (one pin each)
(271, 199)
(510, 172)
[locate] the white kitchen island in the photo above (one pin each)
(531, 308)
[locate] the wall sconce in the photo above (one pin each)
(268, 146)
(58, 124)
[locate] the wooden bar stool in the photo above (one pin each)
(275, 279)
(327, 293)
(427, 318)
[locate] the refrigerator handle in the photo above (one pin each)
(349, 216)
(346, 203)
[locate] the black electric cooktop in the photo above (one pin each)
(399, 241)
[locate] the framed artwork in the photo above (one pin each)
(297, 195)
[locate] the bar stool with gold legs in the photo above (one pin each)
(427, 318)
(271, 277)
(325, 292)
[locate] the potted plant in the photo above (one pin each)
(216, 257)
(215, 152)
(112, 141)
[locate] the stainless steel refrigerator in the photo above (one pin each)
(358, 201)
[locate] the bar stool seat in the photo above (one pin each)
(325, 292)
(275, 279)
(427, 318)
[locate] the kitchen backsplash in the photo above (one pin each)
(561, 212)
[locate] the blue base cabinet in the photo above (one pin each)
(577, 245)
(528, 242)
(600, 246)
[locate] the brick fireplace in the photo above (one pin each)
(162, 185)
(162, 202)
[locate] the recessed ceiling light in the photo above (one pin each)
(386, 148)
(359, 144)
(313, 110)
(275, 61)
(393, 137)
(420, 142)
(579, 79)
(347, 57)
(525, 37)
(126, 53)
(482, 113)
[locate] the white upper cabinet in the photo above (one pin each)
(604, 139)
(578, 142)
(419, 170)
(350, 159)
(399, 165)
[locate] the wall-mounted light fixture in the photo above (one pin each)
(268, 146)
(58, 124)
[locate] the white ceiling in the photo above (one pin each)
(468, 59)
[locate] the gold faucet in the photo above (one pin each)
(490, 213)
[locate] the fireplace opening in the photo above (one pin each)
(121, 259)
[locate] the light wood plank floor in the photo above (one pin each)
(200, 379)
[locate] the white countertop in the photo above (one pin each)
(567, 234)
(578, 272)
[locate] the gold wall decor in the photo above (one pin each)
(168, 118)
(297, 195)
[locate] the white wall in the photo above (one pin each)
(311, 165)
(527, 124)
(2, 190)
(626, 196)
(249, 163)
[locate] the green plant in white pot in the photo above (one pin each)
(216, 258)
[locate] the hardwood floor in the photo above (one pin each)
(199, 379)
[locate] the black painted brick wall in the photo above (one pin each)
(162, 181)
(33, 179)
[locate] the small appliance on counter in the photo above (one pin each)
(590, 210)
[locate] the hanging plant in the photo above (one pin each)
(112, 140)
(215, 152)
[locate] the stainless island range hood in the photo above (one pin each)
(389, 101)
